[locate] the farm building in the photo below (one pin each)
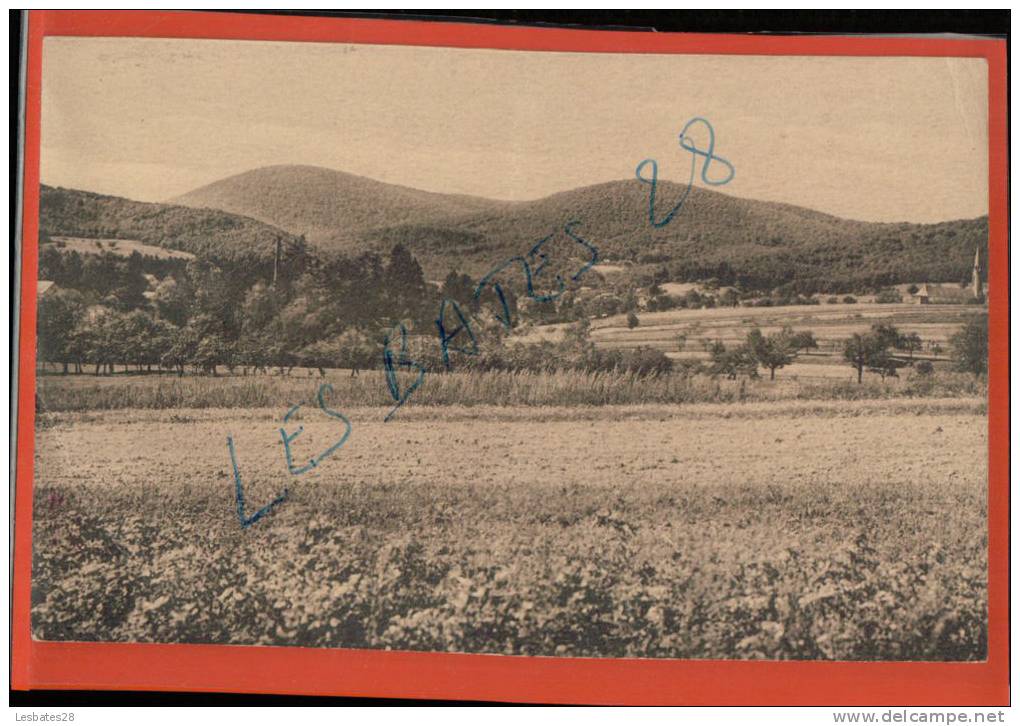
(44, 288)
(949, 294)
(943, 294)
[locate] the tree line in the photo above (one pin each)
(874, 351)
(333, 311)
(105, 311)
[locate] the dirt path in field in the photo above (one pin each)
(793, 443)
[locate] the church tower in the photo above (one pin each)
(279, 251)
(976, 275)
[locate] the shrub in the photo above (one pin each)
(826, 572)
(970, 346)
(850, 300)
(646, 361)
(888, 296)
(687, 383)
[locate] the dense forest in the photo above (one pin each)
(240, 243)
(109, 309)
(757, 245)
(236, 305)
(232, 306)
(322, 204)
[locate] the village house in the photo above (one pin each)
(938, 294)
(950, 294)
(44, 288)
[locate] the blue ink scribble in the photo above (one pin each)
(688, 144)
(505, 319)
(446, 336)
(569, 229)
(332, 414)
(315, 460)
(286, 445)
(536, 253)
(532, 271)
(709, 154)
(239, 493)
(403, 360)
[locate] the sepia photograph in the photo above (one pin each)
(512, 352)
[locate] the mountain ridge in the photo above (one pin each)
(196, 197)
(317, 201)
(754, 243)
(213, 234)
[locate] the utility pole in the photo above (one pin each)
(276, 260)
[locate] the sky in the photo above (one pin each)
(876, 139)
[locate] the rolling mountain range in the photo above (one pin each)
(753, 242)
(326, 205)
(213, 234)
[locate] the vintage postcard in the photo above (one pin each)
(650, 355)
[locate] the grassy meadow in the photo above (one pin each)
(55, 393)
(831, 324)
(568, 518)
(122, 247)
(647, 531)
(557, 513)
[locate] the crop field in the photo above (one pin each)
(831, 325)
(785, 529)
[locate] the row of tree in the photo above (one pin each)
(874, 351)
(74, 337)
(334, 310)
(146, 341)
(771, 352)
(102, 339)
(108, 308)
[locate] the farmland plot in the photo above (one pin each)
(701, 531)
(687, 334)
(828, 322)
(122, 247)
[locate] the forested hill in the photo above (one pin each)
(324, 204)
(754, 243)
(233, 241)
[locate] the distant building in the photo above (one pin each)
(976, 275)
(44, 288)
(949, 294)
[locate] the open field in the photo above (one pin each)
(122, 247)
(476, 388)
(831, 325)
(701, 531)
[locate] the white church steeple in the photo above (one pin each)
(976, 275)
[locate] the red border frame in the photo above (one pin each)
(248, 669)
